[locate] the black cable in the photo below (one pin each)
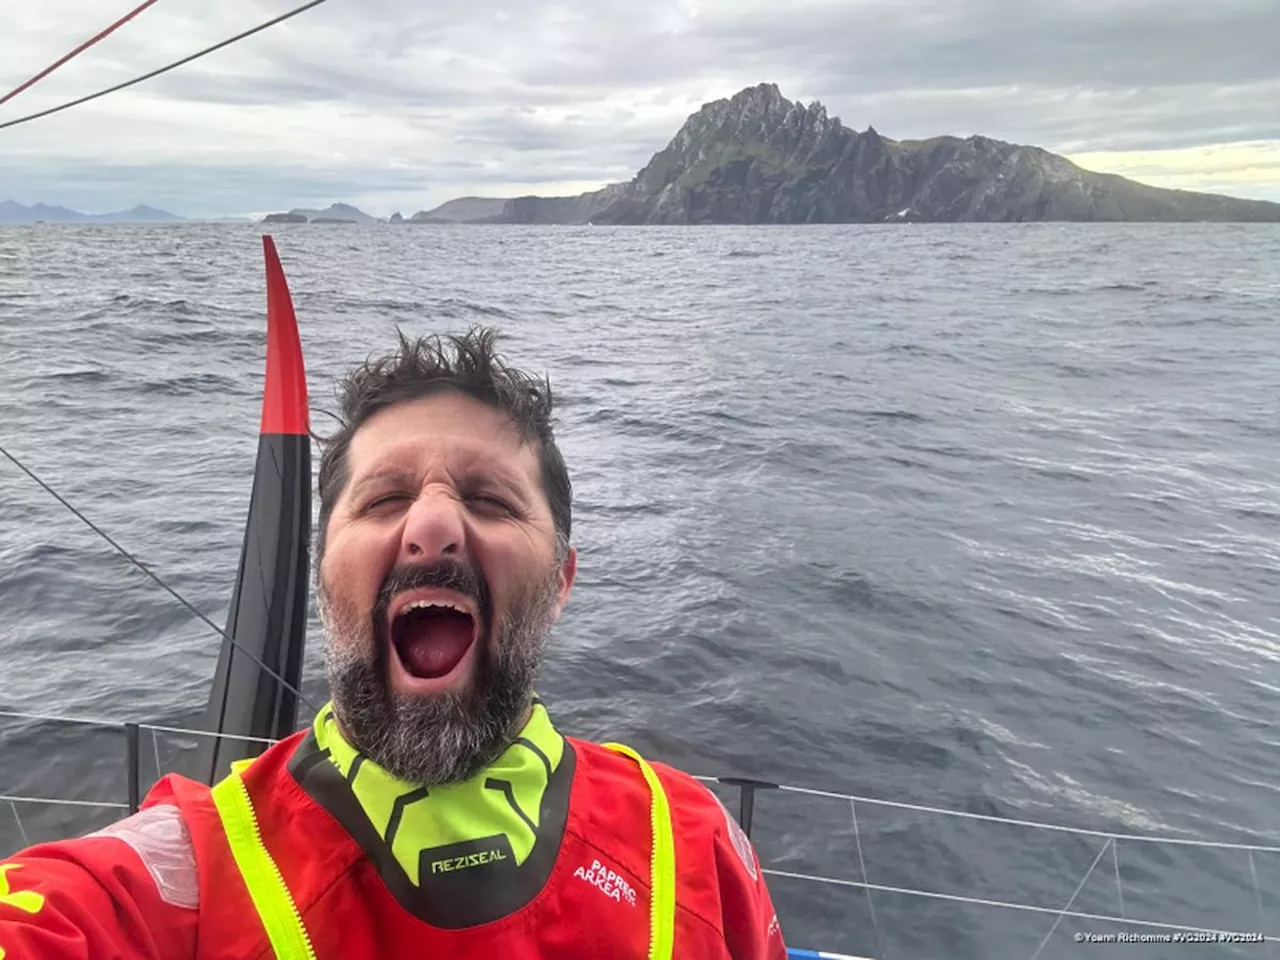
(177, 596)
(156, 73)
(76, 52)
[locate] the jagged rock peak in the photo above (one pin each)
(761, 93)
(762, 100)
(756, 111)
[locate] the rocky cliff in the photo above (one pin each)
(463, 210)
(757, 157)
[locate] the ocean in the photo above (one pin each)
(976, 517)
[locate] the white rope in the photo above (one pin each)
(978, 901)
(206, 733)
(1257, 891)
(1079, 886)
(1035, 824)
(1080, 831)
(1115, 854)
(862, 865)
(899, 805)
(155, 745)
(64, 803)
(26, 841)
(42, 716)
(89, 721)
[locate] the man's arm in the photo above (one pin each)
(126, 892)
(751, 928)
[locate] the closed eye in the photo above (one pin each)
(489, 502)
(492, 502)
(381, 501)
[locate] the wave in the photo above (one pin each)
(193, 384)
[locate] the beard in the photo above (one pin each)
(446, 737)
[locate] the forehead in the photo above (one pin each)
(450, 427)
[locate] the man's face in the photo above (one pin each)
(438, 586)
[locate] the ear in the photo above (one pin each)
(568, 570)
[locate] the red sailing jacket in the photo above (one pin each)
(162, 885)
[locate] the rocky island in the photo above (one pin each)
(334, 213)
(757, 157)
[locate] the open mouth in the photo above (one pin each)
(432, 636)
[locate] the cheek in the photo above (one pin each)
(355, 563)
(516, 570)
(503, 561)
(346, 624)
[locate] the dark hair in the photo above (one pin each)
(420, 369)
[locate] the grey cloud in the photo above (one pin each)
(871, 46)
(247, 90)
(468, 77)
(1073, 119)
(983, 42)
(526, 132)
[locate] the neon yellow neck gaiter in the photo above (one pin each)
(455, 854)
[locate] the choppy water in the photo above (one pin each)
(982, 517)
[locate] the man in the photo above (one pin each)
(432, 809)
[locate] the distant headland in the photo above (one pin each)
(759, 158)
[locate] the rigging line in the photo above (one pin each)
(1115, 855)
(187, 731)
(1257, 892)
(1012, 821)
(1027, 907)
(54, 802)
(26, 841)
(172, 592)
(1079, 887)
(862, 863)
(77, 51)
(155, 73)
(210, 733)
(155, 742)
(87, 721)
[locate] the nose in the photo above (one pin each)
(433, 527)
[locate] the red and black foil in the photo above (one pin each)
(268, 614)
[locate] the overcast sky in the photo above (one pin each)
(403, 104)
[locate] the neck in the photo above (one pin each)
(344, 729)
(455, 854)
(502, 801)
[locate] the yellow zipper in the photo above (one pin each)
(662, 866)
(283, 888)
(276, 908)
